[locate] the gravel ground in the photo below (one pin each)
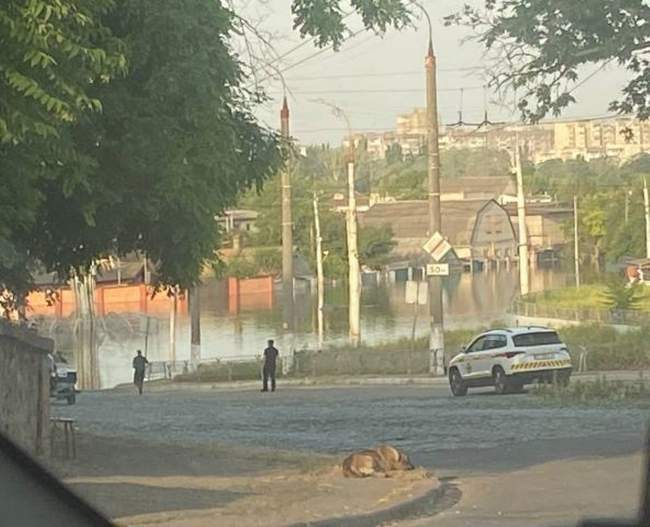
(482, 431)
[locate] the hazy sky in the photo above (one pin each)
(374, 79)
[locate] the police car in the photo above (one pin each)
(509, 358)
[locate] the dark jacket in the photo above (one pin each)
(270, 357)
(139, 363)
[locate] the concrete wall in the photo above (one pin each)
(24, 388)
(109, 298)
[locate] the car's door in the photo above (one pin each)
(472, 356)
(485, 359)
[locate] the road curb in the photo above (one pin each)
(313, 382)
(348, 382)
(436, 500)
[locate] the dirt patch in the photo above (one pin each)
(138, 483)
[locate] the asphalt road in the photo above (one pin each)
(482, 432)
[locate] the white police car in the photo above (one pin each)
(509, 358)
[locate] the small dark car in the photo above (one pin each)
(63, 380)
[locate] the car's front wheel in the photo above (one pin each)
(457, 384)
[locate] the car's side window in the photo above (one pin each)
(477, 345)
(493, 342)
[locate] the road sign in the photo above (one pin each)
(439, 269)
(437, 247)
(433, 242)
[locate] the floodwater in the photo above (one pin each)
(470, 301)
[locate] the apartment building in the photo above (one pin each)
(619, 137)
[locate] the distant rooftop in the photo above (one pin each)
(410, 219)
(495, 185)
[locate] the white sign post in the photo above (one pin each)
(416, 292)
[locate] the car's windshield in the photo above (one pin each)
(244, 243)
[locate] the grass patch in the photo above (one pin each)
(585, 297)
(598, 390)
(588, 296)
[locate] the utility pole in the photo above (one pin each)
(320, 280)
(85, 336)
(173, 309)
(354, 277)
(521, 220)
(436, 338)
(195, 326)
(576, 243)
(646, 205)
(287, 227)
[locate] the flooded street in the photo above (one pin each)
(471, 301)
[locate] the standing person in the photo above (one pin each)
(139, 366)
(268, 371)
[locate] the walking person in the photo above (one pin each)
(268, 370)
(139, 366)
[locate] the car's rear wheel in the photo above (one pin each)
(456, 383)
(562, 378)
(501, 384)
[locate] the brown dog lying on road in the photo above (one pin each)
(378, 462)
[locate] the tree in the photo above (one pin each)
(375, 244)
(52, 52)
(171, 142)
(313, 172)
(594, 224)
(620, 296)
(325, 20)
(174, 145)
(465, 162)
(393, 153)
(51, 55)
(540, 46)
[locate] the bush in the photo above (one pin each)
(268, 261)
(225, 372)
(618, 295)
(607, 348)
(241, 267)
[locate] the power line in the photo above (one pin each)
(316, 130)
(383, 90)
(304, 43)
(312, 56)
(384, 74)
(591, 75)
(574, 88)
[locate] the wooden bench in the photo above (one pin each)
(69, 435)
